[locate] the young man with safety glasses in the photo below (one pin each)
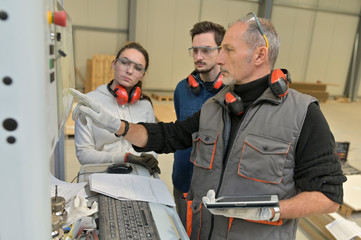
(190, 94)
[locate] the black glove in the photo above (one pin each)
(146, 160)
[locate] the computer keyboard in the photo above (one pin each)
(125, 220)
(349, 170)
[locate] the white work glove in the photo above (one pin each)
(255, 214)
(87, 107)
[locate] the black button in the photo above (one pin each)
(11, 139)
(58, 36)
(10, 124)
(7, 80)
(265, 148)
(3, 15)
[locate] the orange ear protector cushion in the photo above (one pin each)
(218, 83)
(193, 84)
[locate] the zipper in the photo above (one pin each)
(226, 156)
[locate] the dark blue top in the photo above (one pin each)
(186, 103)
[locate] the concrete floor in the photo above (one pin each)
(344, 119)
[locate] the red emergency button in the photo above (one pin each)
(58, 18)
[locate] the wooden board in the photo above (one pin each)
(164, 112)
(99, 71)
(308, 86)
(162, 96)
(315, 226)
(69, 127)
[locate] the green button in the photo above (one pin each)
(51, 63)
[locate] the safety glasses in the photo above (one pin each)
(251, 16)
(126, 64)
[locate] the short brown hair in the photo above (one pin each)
(206, 26)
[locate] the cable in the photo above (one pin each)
(77, 176)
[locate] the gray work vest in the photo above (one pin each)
(260, 161)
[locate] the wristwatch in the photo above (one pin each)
(277, 214)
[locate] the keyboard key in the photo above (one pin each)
(125, 220)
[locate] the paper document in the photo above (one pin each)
(65, 189)
(343, 229)
(128, 186)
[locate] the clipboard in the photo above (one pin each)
(255, 201)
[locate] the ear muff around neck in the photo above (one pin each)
(234, 103)
(279, 81)
(217, 84)
(195, 86)
(122, 96)
(134, 95)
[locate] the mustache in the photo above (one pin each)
(199, 62)
(224, 70)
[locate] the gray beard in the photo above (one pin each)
(228, 80)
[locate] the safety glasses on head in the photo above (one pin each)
(126, 63)
(251, 16)
(204, 50)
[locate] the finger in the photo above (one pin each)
(152, 162)
(151, 171)
(211, 195)
(75, 113)
(81, 96)
(205, 200)
(157, 169)
(88, 112)
(86, 100)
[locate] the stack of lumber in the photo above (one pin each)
(317, 90)
(99, 71)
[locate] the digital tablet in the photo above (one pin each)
(245, 201)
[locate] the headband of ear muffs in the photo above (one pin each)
(122, 96)
(278, 81)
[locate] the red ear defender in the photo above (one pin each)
(279, 82)
(193, 84)
(196, 88)
(135, 95)
(234, 103)
(122, 95)
(218, 83)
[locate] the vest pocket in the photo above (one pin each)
(263, 159)
(203, 148)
